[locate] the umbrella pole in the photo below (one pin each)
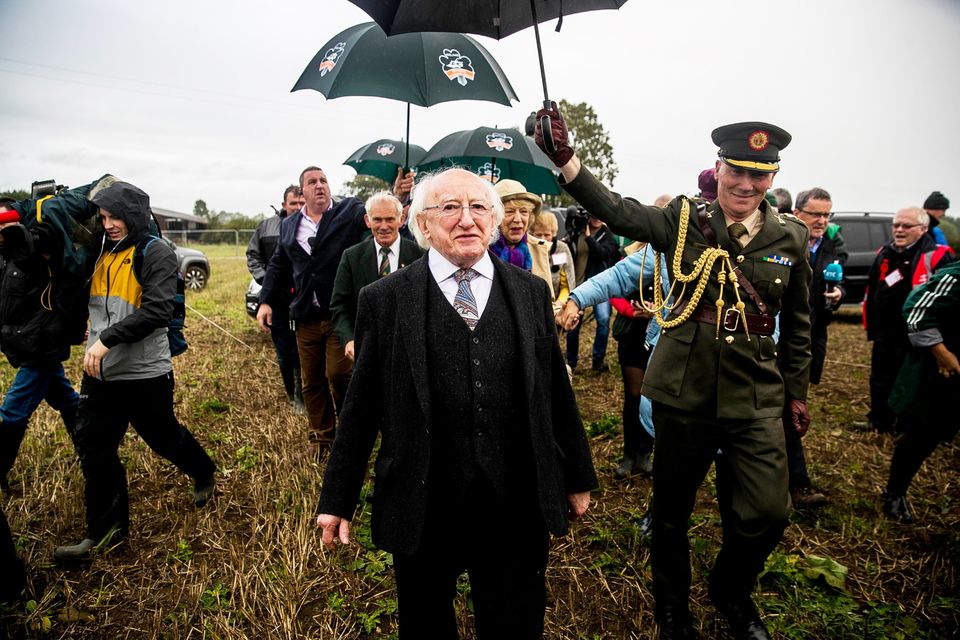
(406, 154)
(536, 33)
(545, 124)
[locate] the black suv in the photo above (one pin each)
(864, 233)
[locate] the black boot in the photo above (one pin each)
(298, 407)
(676, 625)
(11, 435)
(897, 508)
(741, 615)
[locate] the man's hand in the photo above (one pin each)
(640, 310)
(93, 358)
(578, 503)
(403, 184)
(348, 350)
(334, 527)
(569, 316)
(799, 416)
(947, 363)
(558, 131)
(833, 297)
(265, 317)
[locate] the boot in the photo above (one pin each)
(298, 407)
(11, 435)
(203, 490)
(84, 549)
(286, 374)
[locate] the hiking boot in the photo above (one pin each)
(600, 365)
(897, 508)
(84, 549)
(203, 490)
(807, 497)
(743, 618)
(676, 625)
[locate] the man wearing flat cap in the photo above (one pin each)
(714, 379)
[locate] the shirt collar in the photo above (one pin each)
(441, 268)
(750, 222)
(394, 248)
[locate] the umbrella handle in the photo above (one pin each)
(546, 127)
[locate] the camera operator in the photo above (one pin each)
(594, 249)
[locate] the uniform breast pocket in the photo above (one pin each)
(770, 280)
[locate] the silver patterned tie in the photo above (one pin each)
(464, 302)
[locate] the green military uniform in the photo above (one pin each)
(713, 387)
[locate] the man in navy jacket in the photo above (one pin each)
(311, 244)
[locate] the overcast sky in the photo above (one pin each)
(191, 99)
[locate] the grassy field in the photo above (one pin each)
(250, 565)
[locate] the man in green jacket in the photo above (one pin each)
(713, 379)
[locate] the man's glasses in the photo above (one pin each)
(825, 216)
(905, 225)
(451, 209)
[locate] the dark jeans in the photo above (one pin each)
(284, 343)
(31, 386)
(754, 500)
(601, 313)
(506, 570)
(326, 375)
(106, 408)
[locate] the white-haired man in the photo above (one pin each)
(482, 450)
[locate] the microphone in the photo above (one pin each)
(833, 275)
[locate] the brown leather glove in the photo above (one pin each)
(799, 416)
(562, 152)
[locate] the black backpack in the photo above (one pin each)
(178, 341)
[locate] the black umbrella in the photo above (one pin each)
(380, 159)
(495, 154)
(416, 68)
(496, 19)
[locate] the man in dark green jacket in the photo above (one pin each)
(714, 380)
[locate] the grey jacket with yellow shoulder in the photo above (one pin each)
(693, 368)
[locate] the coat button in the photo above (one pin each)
(476, 361)
(739, 259)
(476, 340)
(479, 384)
(777, 281)
(729, 339)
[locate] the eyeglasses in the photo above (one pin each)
(825, 216)
(905, 225)
(451, 209)
(523, 211)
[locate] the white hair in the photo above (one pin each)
(383, 197)
(922, 216)
(423, 189)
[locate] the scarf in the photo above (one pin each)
(518, 256)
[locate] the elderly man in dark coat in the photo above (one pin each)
(482, 451)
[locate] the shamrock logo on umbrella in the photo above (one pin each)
(499, 141)
(386, 149)
(330, 58)
(456, 66)
(489, 172)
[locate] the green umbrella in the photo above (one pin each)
(380, 159)
(417, 68)
(495, 154)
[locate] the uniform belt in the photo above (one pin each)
(733, 321)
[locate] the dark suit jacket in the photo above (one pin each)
(691, 369)
(312, 274)
(358, 268)
(389, 395)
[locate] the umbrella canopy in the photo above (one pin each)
(494, 19)
(495, 154)
(380, 159)
(418, 68)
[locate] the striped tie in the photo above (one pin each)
(384, 261)
(464, 302)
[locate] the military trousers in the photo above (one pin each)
(754, 500)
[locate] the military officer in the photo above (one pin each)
(734, 265)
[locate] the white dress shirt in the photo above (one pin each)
(443, 270)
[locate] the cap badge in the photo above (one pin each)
(758, 140)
